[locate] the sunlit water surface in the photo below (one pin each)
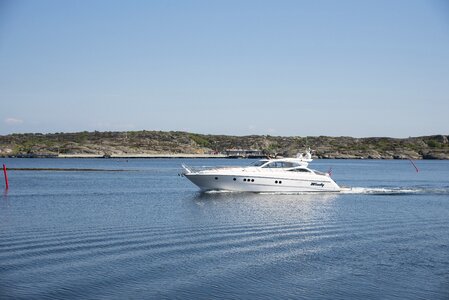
(148, 233)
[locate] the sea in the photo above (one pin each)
(136, 229)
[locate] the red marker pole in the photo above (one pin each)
(6, 176)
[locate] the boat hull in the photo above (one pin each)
(248, 183)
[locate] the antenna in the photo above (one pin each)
(416, 168)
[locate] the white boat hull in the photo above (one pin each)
(254, 183)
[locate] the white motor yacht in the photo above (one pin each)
(266, 175)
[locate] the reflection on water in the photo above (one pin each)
(257, 207)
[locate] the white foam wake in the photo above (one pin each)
(393, 190)
(359, 190)
(218, 192)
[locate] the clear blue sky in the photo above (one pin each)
(354, 68)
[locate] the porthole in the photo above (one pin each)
(276, 181)
(244, 179)
(234, 179)
(280, 182)
(216, 178)
(252, 180)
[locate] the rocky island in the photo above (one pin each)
(176, 143)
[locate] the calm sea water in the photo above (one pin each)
(147, 233)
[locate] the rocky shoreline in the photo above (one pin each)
(156, 144)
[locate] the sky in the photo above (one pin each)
(284, 68)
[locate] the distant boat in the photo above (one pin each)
(266, 175)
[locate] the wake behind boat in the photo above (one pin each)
(266, 175)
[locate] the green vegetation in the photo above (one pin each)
(200, 140)
(434, 144)
(160, 142)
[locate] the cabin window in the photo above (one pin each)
(276, 164)
(281, 164)
(300, 170)
(289, 165)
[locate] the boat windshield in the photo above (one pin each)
(259, 163)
